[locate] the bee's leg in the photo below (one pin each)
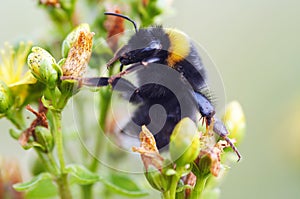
(95, 81)
(205, 107)
(207, 111)
(121, 67)
(124, 72)
(220, 129)
(128, 91)
(132, 68)
(119, 84)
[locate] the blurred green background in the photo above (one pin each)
(255, 45)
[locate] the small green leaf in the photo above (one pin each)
(34, 182)
(46, 189)
(65, 48)
(44, 139)
(47, 103)
(14, 133)
(123, 185)
(81, 175)
(61, 63)
(118, 184)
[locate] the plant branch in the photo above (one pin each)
(62, 180)
(199, 187)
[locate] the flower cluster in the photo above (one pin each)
(15, 78)
(196, 159)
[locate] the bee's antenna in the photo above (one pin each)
(124, 17)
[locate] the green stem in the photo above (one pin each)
(58, 138)
(62, 180)
(86, 191)
(173, 187)
(62, 101)
(174, 182)
(199, 187)
(166, 195)
(53, 97)
(63, 186)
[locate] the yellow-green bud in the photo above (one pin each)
(184, 142)
(234, 120)
(43, 66)
(6, 99)
(43, 139)
(157, 179)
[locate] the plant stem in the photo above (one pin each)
(58, 138)
(86, 191)
(63, 186)
(62, 180)
(173, 187)
(174, 182)
(199, 187)
(166, 195)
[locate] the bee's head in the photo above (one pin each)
(146, 45)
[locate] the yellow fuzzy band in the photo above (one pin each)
(179, 46)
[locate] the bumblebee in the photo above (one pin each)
(170, 73)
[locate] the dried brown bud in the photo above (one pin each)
(209, 160)
(148, 150)
(41, 120)
(79, 51)
(114, 27)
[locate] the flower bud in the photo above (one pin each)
(43, 139)
(72, 37)
(154, 163)
(202, 167)
(234, 120)
(77, 49)
(157, 179)
(6, 100)
(184, 142)
(43, 66)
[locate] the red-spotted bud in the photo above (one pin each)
(43, 66)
